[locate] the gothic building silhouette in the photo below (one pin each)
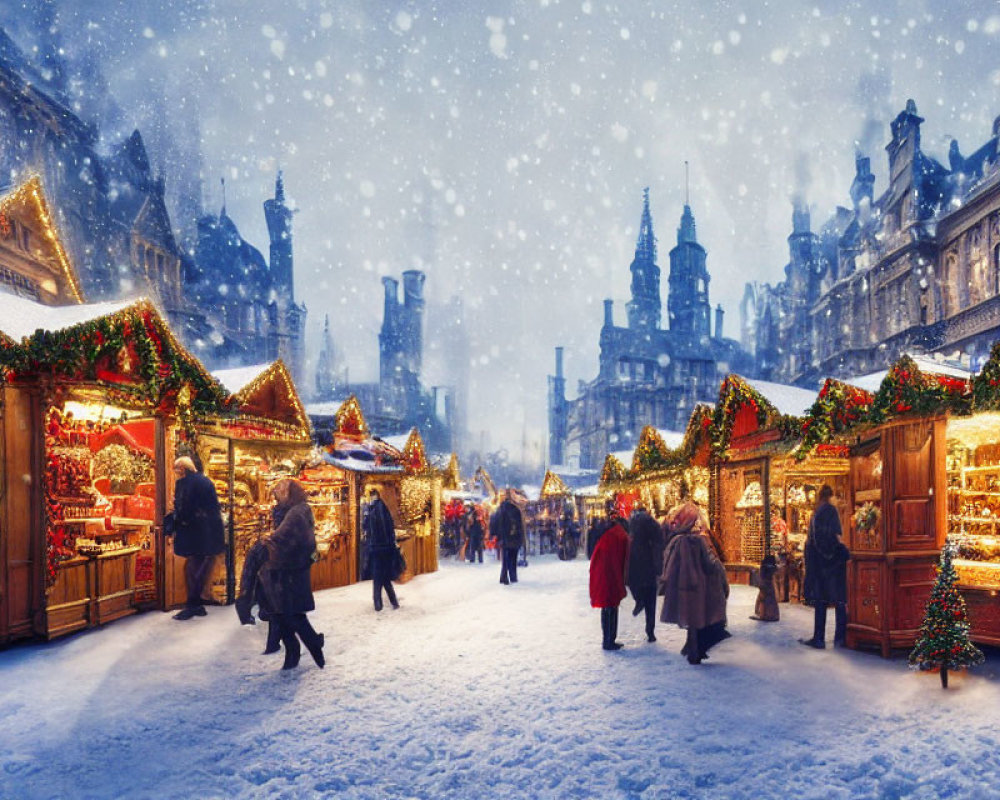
(228, 304)
(915, 269)
(399, 400)
(649, 375)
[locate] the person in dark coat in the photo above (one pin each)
(569, 536)
(608, 569)
(381, 534)
(598, 526)
(285, 575)
(693, 583)
(198, 531)
(475, 535)
(645, 562)
(252, 591)
(826, 571)
(507, 527)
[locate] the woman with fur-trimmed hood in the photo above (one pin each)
(693, 583)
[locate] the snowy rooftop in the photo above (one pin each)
(873, 380)
(327, 408)
(787, 399)
(352, 464)
(399, 442)
(233, 380)
(672, 439)
(20, 318)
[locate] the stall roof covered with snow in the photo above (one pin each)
(267, 393)
(126, 348)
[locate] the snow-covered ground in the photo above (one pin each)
(477, 690)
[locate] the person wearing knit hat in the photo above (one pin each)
(693, 583)
(198, 531)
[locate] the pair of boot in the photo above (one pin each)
(293, 651)
(609, 627)
(190, 611)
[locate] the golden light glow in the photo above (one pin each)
(553, 486)
(30, 195)
(976, 430)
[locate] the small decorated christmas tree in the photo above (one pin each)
(943, 642)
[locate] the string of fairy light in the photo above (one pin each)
(31, 190)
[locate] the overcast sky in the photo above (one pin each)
(503, 146)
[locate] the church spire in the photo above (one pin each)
(279, 188)
(645, 245)
(644, 307)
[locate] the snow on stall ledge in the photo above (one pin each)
(476, 690)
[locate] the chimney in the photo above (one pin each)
(559, 362)
(719, 313)
(609, 321)
(391, 298)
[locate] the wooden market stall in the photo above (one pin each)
(659, 476)
(91, 408)
(755, 429)
(405, 480)
(541, 516)
(902, 442)
(245, 453)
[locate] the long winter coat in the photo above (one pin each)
(608, 566)
(380, 527)
(693, 582)
(645, 557)
(826, 559)
(507, 526)
(285, 575)
(198, 529)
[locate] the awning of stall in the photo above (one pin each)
(268, 402)
(354, 449)
(125, 349)
(136, 436)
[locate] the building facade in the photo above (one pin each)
(916, 269)
(649, 374)
(228, 305)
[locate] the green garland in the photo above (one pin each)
(156, 374)
(735, 394)
(838, 407)
(908, 391)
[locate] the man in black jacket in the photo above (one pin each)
(826, 571)
(198, 531)
(507, 527)
(381, 535)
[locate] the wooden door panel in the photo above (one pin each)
(911, 587)
(866, 605)
(914, 528)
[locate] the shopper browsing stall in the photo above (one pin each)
(826, 571)
(199, 535)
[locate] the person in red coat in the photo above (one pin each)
(608, 568)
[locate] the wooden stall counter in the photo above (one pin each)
(70, 600)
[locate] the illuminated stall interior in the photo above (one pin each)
(973, 470)
(246, 454)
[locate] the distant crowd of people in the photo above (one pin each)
(677, 560)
